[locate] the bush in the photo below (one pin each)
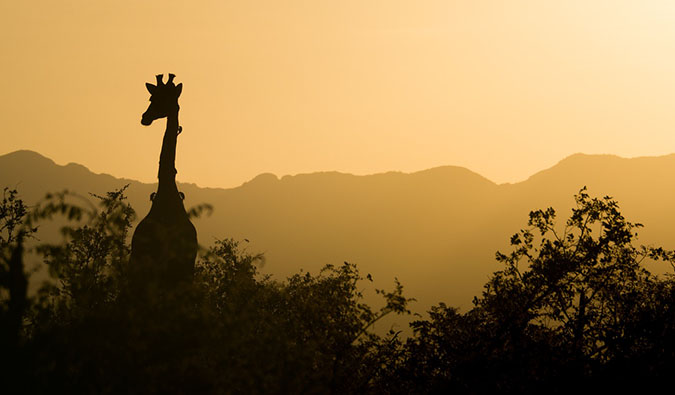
(572, 305)
(231, 330)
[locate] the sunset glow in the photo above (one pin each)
(503, 88)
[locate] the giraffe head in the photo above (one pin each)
(163, 99)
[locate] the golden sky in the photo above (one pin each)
(505, 88)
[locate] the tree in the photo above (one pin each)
(586, 283)
(573, 303)
(232, 330)
(309, 333)
(13, 280)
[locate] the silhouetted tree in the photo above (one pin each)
(574, 304)
(13, 284)
(232, 330)
(573, 307)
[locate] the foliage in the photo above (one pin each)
(573, 306)
(306, 334)
(233, 330)
(90, 265)
(13, 281)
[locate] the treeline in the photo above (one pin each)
(572, 308)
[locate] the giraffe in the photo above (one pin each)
(164, 244)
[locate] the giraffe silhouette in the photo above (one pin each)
(164, 244)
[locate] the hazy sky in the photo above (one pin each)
(505, 88)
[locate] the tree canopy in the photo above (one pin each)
(572, 305)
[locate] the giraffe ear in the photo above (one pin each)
(179, 89)
(151, 88)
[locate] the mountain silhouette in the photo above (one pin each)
(437, 230)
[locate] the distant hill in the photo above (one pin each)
(436, 230)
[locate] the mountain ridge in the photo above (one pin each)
(575, 158)
(26, 155)
(437, 230)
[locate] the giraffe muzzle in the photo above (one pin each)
(146, 119)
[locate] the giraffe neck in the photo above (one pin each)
(167, 158)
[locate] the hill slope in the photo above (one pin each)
(436, 230)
